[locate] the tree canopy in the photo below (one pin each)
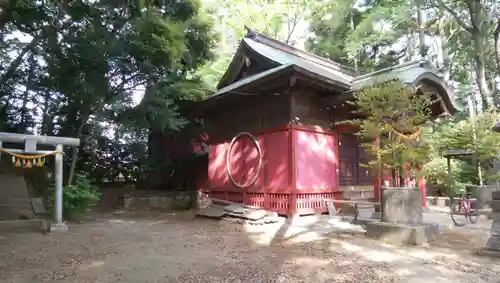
(116, 74)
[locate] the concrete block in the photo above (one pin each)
(493, 242)
(61, 227)
(155, 202)
(495, 228)
(495, 195)
(495, 206)
(171, 201)
(489, 253)
(397, 233)
(494, 216)
(376, 215)
(128, 202)
(402, 205)
(483, 194)
(38, 205)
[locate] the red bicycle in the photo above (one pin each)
(462, 207)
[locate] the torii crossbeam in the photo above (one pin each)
(30, 147)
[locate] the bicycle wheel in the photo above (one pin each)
(457, 212)
(473, 214)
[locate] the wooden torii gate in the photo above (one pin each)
(30, 147)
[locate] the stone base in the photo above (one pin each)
(492, 217)
(401, 205)
(162, 200)
(61, 227)
(376, 215)
(493, 243)
(396, 233)
(489, 253)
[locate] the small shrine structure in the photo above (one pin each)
(275, 126)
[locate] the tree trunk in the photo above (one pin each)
(497, 46)
(8, 7)
(46, 118)
(421, 30)
(355, 59)
(480, 70)
(445, 70)
(75, 149)
(482, 83)
(17, 62)
(478, 17)
(409, 50)
(24, 109)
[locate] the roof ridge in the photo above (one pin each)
(274, 43)
(391, 68)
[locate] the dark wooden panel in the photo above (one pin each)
(348, 160)
(249, 114)
(308, 110)
(351, 156)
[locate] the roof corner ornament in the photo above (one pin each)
(250, 32)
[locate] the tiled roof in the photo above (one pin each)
(283, 57)
(286, 56)
(249, 79)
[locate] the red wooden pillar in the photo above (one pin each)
(423, 189)
(406, 170)
(293, 171)
(377, 176)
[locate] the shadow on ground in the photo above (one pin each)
(177, 247)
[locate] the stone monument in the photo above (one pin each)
(493, 243)
(402, 218)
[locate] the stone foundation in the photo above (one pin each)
(402, 205)
(398, 233)
(176, 200)
(483, 194)
(61, 227)
(402, 218)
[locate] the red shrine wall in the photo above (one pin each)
(266, 119)
(298, 169)
(316, 163)
(316, 159)
(273, 185)
(299, 162)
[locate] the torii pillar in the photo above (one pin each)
(30, 144)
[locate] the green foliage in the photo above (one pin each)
(79, 68)
(459, 135)
(77, 198)
(436, 175)
(343, 32)
(280, 19)
(389, 109)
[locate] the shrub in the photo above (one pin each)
(436, 174)
(393, 113)
(77, 197)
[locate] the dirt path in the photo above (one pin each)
(178, 248)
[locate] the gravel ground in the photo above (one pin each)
(158, 247)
